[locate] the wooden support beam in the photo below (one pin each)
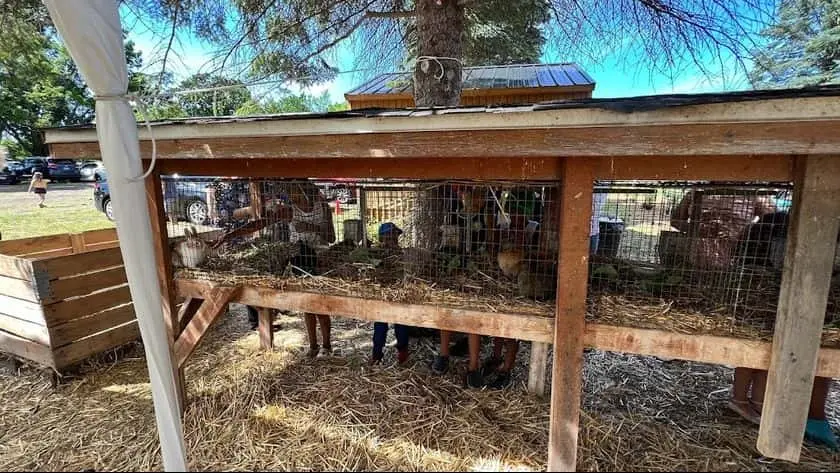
(266, 320)
(213, 306)
(517, 326)
(566, 377)
(163, 260)
(255, 193)
(187, 312)
(538, 368)
(809, 257)
(661, 343)
(532, 140)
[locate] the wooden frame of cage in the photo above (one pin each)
(752, 145)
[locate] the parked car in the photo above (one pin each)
(8, 177)
(30, 166)
(87, 170)
(63, 170)
(339, 190)
(183, 198)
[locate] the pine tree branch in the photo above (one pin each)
(169, 46)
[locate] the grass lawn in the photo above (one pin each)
(69, 209)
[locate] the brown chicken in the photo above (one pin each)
(511, 261)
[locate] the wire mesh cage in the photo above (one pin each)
(473, 244)
(689, 256)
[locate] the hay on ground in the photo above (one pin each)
(253, 410)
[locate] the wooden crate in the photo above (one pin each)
(64, 298)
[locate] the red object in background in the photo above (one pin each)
(337, 207)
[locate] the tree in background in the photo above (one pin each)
(211, 103)
(291, 103)
(293, 39)
(803, 46)
(39, 83)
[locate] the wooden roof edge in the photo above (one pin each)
(793, 109)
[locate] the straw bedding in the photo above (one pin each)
(417, 277)
(253, 410)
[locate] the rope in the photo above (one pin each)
(437, 59)
(141, 106)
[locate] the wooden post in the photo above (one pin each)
(538, 368)
(163, 259)
(363, 214)
(575, 215)
(77, 240)
(809, 257)
(265, 327)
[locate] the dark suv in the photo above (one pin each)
(185, 199)
(30, 166)
(63, 170)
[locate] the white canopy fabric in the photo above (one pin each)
(92, 32)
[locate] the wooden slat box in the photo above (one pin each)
(64, 298)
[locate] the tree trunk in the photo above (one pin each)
(440, 27)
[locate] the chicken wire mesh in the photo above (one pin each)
(480, 245)
(666, 251)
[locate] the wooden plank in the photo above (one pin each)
(518, 326)
(24, 329)
(266, 321)
(76, 286)
(713, 168)
(427, 168)
(26, 349)
(21, 309)
(163, 260)
(77, 241)
(34, 245)
(747, 168)
(566, 376)
(42, 255)
(14, 267)
(806, 277)
(701, 348)
(65, 311)
(19, 288)
(93, 237)
(102, 246)
(537, 370)
(212, 307)
(87, 347)
(64, 266)
(76, 329)
(743, 138)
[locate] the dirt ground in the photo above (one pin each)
(254, 410)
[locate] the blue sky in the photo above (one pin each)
(612, 76)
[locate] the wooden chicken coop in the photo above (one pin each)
(751, 144)
(483, 86)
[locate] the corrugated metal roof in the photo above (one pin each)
(488, 77)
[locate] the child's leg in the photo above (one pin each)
(310, 321)
(741, 386)
(445, 338)
(380, 333)
(740, 401)
(510, 355)
(474, 341)
(441, 363)
(817, 429)
(401, 332)
(759, 385)
(498, 344)
(819, 396)
(326, 328)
